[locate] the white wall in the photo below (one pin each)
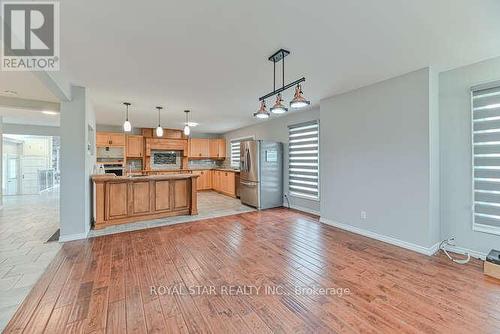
(376, 157)
(277, 129)
(456, 152)
(76, 165)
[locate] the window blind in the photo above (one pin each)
(303, 159)
(486, 159)
(235, 151)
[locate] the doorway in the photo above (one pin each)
(30, 164)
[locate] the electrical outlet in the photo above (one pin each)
(363, 215)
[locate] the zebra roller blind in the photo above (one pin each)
(235, 151)
(486, 159)
(303, 159)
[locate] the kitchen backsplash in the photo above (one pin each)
(205, 163)
(110, 152)
(165, 160)
(135, 164)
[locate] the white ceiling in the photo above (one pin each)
(25, 85)
(211, 56)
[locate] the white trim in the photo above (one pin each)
(71, 237)
(462, 250)
(485, 228)
(301, 208)
(390, 240)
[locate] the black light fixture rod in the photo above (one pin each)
(283, 88)
(283, 72)
(127, 104)
(274, 76)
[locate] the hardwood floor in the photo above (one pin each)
(104, 284)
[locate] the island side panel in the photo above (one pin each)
(194, 196)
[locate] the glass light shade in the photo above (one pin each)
(298, 100)
(127, 127)
(187, 130)
(262, 113)
(279, 107)
(159, 131)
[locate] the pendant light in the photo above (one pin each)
(159, 129)
(279, 107)
(127, 127)
(262, 112)
(187, 130)
(298, 100)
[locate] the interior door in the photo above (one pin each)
(12, 173)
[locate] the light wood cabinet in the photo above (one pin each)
(199, 148)
(224, 182)
(217, 148)
(167, 133)
(119, 200)
(165, 144)
(110, 139)
(204, 181)
(140, 198)
(135, 146)
(162, 196)
(207, 148)
(215, 180)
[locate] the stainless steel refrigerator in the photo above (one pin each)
(261, 173)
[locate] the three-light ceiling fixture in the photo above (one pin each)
(127, 126)
(279, 107)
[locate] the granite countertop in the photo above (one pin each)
(186, 170)
(113, 177)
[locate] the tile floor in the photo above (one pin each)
(26, 222)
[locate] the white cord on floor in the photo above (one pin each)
(449, 242)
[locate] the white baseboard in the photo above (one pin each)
(301, 208)
(390, 240)
(71, 237)
(462, 250)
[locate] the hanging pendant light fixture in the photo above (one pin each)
(159, 129)
(262, 112)
(187, 130)
(279, 108)
(298, 100)
(127, 127)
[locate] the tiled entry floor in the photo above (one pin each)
(210, 205)
(26, 222)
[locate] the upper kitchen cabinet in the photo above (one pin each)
(217, 148)
(199, 148)
(110, 139)
(135, 146)
(207, 148)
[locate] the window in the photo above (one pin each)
(303, 160)
(486, 159)
(235, 151)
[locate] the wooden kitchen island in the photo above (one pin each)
(122, 199)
